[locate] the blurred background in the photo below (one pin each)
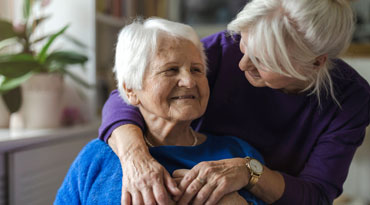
(35, 158)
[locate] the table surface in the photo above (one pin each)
(13, 139)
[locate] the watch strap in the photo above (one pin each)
(254, 176)
(252, 181)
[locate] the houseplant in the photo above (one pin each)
(31, 68)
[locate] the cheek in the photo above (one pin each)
(204, 88)
(274, 78)
(156, 93)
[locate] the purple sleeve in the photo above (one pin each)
(116, 113)
(322, 178)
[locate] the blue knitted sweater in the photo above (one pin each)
(95, 176)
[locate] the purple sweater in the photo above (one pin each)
(311, 146)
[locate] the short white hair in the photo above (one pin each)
(137, 44)
(283, 32)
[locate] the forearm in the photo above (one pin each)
(116, 113)
(127, 140)
(275, 188)
(232, 199)
(270, 186)
(301, 191)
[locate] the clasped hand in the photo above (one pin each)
(205, 183)
(208, 182)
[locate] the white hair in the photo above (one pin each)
(283, 33)
(137, 44)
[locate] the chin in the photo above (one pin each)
(257, 84)
(188, 116)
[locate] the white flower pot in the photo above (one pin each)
(42, 101)
(4, 114)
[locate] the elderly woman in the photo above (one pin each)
(277, 83)
(160, 68)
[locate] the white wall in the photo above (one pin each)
(80, 15)
(362, 65)
(6, 9)
(357, 184)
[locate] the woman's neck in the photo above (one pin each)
(164, 132)
(171, 135)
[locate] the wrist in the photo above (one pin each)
(135, 152)
(255, 169)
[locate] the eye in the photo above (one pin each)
(171, 71)
(196, 70)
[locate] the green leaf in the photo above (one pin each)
(67, 57)
(40, 39)
(8, 42)
(75, 41)
(43, 54)
(6, 30)
(14, 66)
(27, 8)
(10, 83)
(77, 79)
(38, 22)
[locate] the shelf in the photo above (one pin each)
(358, 50)
(12, 139)
(204, 30)
(110, 20)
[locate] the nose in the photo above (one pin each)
(186, 79)
(244, 63)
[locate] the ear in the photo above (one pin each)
(131, 95)
(320, 61)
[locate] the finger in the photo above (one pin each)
(204, 194)
(178, 180)
(180, 172)
(126, 198)
(137, 199)
(216, 195)
(160, 194)
(148, 196)
(187, 179)
(185, 182)
(191, 191)
(171, 184)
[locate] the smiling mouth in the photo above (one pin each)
(183, 97)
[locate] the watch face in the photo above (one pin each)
(256, 166)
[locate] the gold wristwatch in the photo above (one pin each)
(255, 169)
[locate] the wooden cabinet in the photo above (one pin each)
(34, 164)
(2, 180)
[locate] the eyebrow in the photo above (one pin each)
(169, 63)
(174, 63)
(201, 64)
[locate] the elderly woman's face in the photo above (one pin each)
(265, 78)
(175, 86)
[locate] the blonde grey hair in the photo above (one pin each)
(283, 33)
(137, 44)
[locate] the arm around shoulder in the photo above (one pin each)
(116, 113)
